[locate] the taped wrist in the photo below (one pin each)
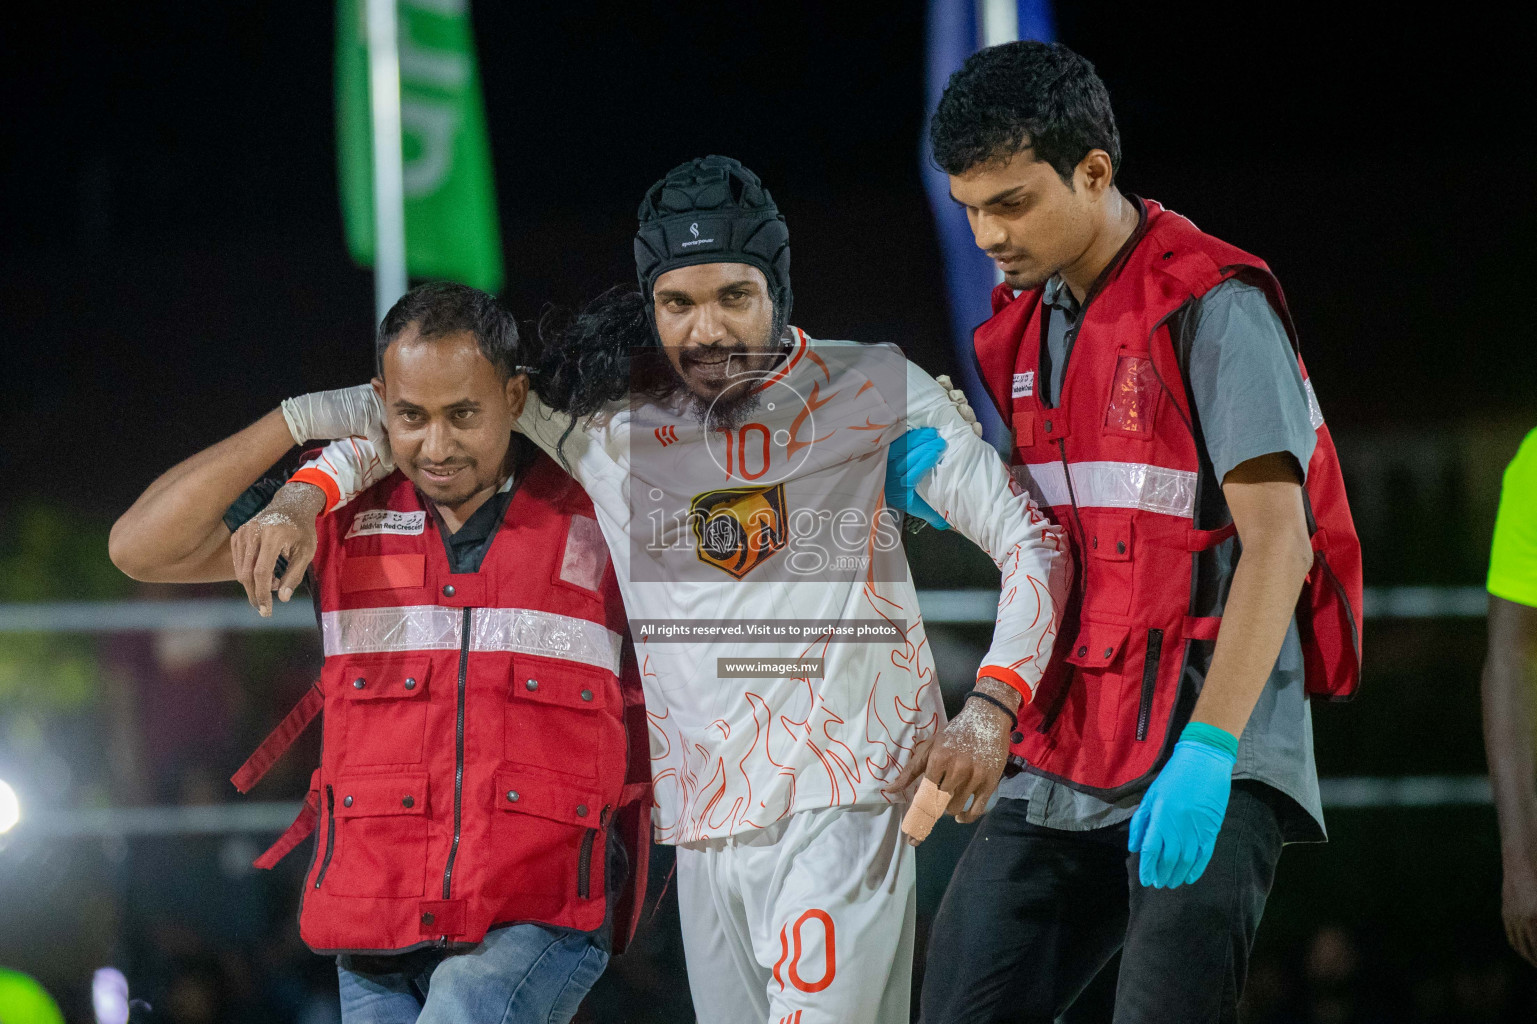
(1211, 736)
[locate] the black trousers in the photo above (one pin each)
(1032, 914)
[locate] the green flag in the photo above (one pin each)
(451, 228)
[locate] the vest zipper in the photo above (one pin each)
(464, 670)
(1072, 497)
(584, 859)
(330, 834)
(1149, 680)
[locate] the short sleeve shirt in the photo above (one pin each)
(1513, 560)
(1249, 395)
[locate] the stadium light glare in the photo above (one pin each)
(10, 807)
(109, 996)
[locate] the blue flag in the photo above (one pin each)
(956, 30)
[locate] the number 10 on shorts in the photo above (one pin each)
(809, 947)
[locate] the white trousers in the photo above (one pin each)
(808, 921)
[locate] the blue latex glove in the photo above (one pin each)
(908, 461)
(1175, 828)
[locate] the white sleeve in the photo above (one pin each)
(346, 468)
(594, 449)
(343, 470)
(551, 431)
(974, 491)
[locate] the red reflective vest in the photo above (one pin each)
(483, 732)
(1119, 464)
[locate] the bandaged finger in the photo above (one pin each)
(927, 806)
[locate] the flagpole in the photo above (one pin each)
(1000, 21)
(389, 172)
(999, 24)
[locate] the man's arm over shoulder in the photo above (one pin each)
(973, 490)
(343, 470)
(346, 468)
(175, 532)
(588, 447)
(551, 430)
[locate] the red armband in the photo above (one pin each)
(1008, 677)
(311, 475)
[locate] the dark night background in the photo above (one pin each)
(172, 265)
(173, 260)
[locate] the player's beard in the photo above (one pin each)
(729, 407)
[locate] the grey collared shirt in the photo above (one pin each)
(1249, 395)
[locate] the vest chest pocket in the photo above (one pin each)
(555, 715)
(382, 572)
(584, 559)
(1100, 653)
(1023, 417)
(1107, 564)
(1134, 395)
(380, 846)
(554, 825)
(386, 709)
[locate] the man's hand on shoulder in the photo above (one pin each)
(284, 529)
(345, 412)
(908, 460)
(911, 457)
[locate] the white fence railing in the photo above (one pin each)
(938, 606)
(947, 606)
(272, 817)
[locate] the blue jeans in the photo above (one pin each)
(520, 974)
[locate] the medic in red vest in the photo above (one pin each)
(478, 725)
(484, 778)
(1117, 461)
(1158, 410)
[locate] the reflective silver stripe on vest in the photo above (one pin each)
(430, 627)
(1315, 414)
(1112, 485)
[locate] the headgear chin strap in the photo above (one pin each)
(712, 210)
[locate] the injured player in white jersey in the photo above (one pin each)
(736, 470)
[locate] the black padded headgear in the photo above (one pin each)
(712, 210)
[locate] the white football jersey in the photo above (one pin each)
(769, 541)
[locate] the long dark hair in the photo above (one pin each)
(588, 358)
(586, 361)
(606, 352)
